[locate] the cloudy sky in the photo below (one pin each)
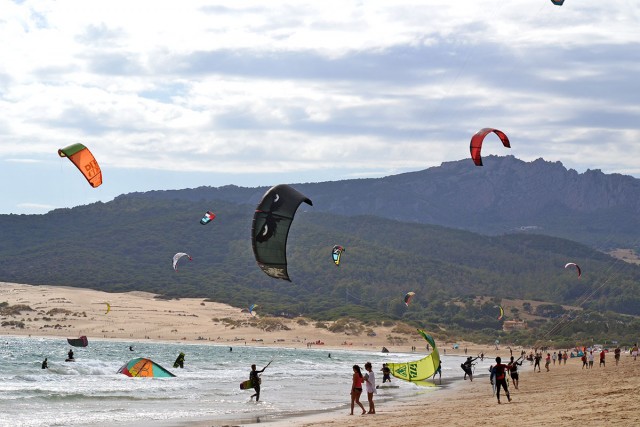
(180, 94)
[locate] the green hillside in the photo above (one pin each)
(128, 244)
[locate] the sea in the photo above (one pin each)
(90, 392)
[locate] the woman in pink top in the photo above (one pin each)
(356, 389)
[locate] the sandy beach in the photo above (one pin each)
(567, 395)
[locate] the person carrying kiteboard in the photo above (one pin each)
(255, 380)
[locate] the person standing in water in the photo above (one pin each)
(386, 373)
(45, 365)
(438, 372)
(370, 379)
(255, 380)
(70, 354)
(356, 389)
(179, 361)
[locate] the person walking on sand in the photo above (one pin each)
(634, 352)
(590, 358)
(499, 375)
(547, 361)
(564, 358)
(537, 358)
(554, 357)
(370, 379)
(356, 389)
(584, 361)
(255, 380)
(513, 370)
(616, 355)
(602, 355)
(467, 367)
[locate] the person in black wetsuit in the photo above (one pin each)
(45, 365)
(70, 354)
(466, 367)
(499, 375)
(179, 361)
(513, 370)
(255, 380)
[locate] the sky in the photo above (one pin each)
(181, 94)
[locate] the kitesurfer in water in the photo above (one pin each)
(386, 373)
(499, 375)
(45, 365)
(70, 354)
(179, 361)
(255, 380)
(130, 348)
(356, 389)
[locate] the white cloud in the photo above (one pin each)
(236, 87)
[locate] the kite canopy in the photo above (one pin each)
(271, 222)
(336, 254)
(478, 138)
(84, 161)
(207, 218)
(108, 308)
(569, 264)
(557, 2)
(418, 370)
(177, 257)
(141, 367)
(408, 297)
(252, 309)
(78, 342)
(501, 311)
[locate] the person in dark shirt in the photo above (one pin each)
(499, 375)
(45, 365)
(255, 380)
(513, 370)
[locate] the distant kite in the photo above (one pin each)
(108, 308)
(252, 309)
(501, 315)
(336, 254)
(408, 297)
(476, 143)
(207, 218)
(84, 161)
(557, 2)
(576, 266)
(177, 257)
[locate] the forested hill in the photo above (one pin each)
(127, 244)
(505, 195)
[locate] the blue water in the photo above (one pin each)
(90, 392)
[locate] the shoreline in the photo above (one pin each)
(567, 395)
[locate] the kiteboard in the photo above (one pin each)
(388, 386)
(246, 385)
(69, 360)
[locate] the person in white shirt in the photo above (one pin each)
(370, 379)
